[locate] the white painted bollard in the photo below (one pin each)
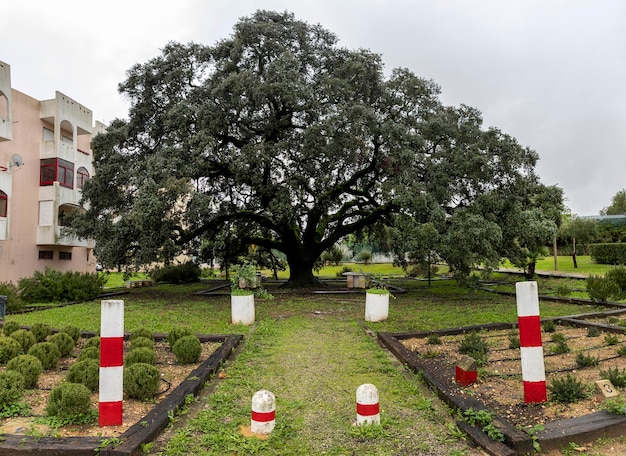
(367, 407)
(242, 309)
(263, 412)
(376, 306)
(111, 391)
(531, 349)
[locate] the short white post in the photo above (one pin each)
(111, 391)
(531, 349)
(242, 309)
(367, 407)
(263, 412)
(376, 306)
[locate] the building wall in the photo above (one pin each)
(32, 224)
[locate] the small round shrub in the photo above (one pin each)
(9, 349)
(89, 353)
(25, 338)
(47, 352)
(29, 366)
(10, 326)
(141, 332)
(41, 331)
(140, 355)
(568, 390)
(63, 341)
(187, 350)
(69, 401)
(177, 333)
(475, 346)
(93, 342)
(86, 372)
(141, 381)
(11, 388)
(602, 288)
(72, 331)
(139, 342)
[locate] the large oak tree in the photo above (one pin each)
(278, 137)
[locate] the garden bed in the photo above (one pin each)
(142, 421)
(499, 388)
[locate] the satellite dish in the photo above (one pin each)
(16, 160)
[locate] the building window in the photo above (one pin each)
(65, 255)
(56, 170)
(82, 175)
(45, 254)
(3, 204)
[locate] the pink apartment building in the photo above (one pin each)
(45, 157)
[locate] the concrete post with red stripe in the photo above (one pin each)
(367, 406)
(111, 392)
(531, 349)
(263, 412)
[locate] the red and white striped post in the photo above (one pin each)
(111, 391)
(263, 412)
(367, 406)
(531, 349)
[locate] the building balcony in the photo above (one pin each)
(53, 235)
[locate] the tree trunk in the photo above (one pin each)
(301, 271)
(555, 253)
(530, 272)
(574, 252)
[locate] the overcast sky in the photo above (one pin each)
(551, 73)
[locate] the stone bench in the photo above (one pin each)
(139, 283)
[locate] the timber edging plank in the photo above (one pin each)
(144, 431)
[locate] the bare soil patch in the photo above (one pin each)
(172, 374)
(500, 385)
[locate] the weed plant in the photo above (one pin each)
(615, 375)
(568, 390)
(433, 339)
(611, 339)
(514, 340)
(592, 331)
(475, 346)
(549, 326)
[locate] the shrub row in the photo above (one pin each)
(55, 286)
(608, 253)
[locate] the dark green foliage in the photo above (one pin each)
(558, 337)
(514, 340)
(180, 273)
(176, 333)
(475, 346)
(9, 349)
(608, 253)
(141, 332)
(69, 402)
(622, 350)
(568, 390)
(11, 388)
(602, 289)
(140, 355)
(433, 339)
(89, 353)
(86, 372)
(583, 360)
(55, 286)
(29, 366)
(72, 331)
(616, 376)
(560, 347)
(548, 326)
(14, 300)
(47, 352)
(483, 419)
(141, 381)
(41, 331)
(611, 339)
(138, 342)
(64, 342)
(10, 326)
(26, 339)
(187, 350)
(592, 331)
(93, 342)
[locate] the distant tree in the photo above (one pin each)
(582, 230)
(618, 204)
(279, 138)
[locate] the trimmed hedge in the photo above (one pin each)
(611, 253)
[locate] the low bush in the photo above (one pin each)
(583, 360)
(55, 286)
(608, 253)
(11, 388)
(433, 339)
(41, 331)
(93, 342)
(602, 289)
(47, 352)
(29, 366)
(69, 402)
(14, 300)
(89, 353)
(10, 326)
(181, 273)
(86, 372)
(64, 342)
(72, 331)
(616, 376)
(514, 340)
(144, 342)
(592, 331)
(141, 381)
(568, 390)
(141, 332)
(611, 339)
(475, 346)
(26, 339)
(187, 350)
(176, 333)
(140, 355)
(617, 275)
(9, 349)
(548, 326)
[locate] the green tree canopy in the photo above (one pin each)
(618, 204)
(279, 138)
